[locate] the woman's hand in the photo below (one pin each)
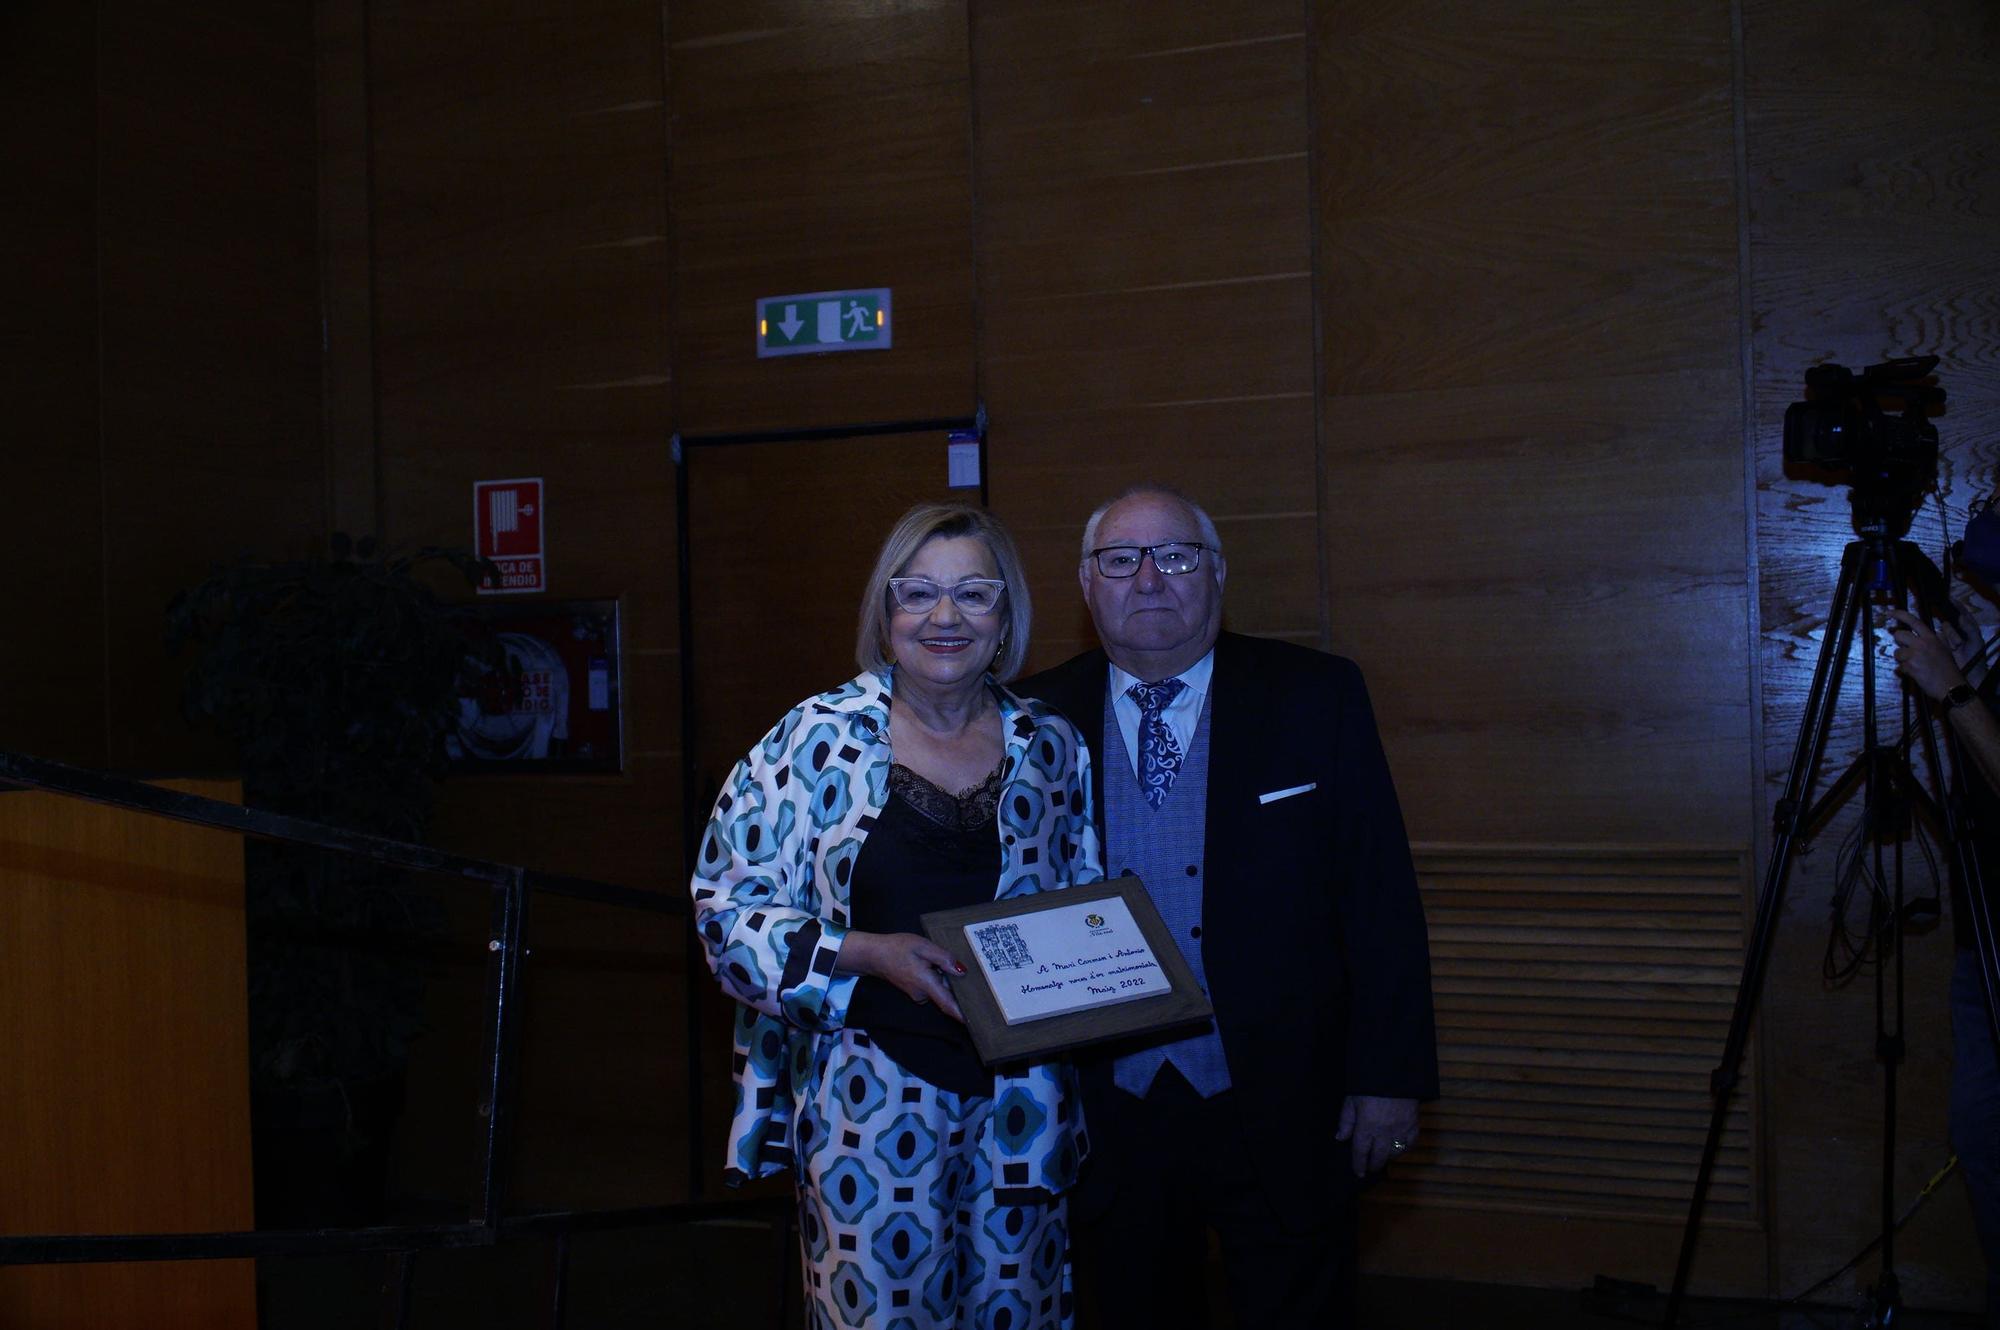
(1922, 656)
(914, 964)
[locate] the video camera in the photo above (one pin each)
(1845, 427)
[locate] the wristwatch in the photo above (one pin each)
(1956, 698)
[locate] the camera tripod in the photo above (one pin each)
(1879, 568)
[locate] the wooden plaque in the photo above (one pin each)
(1038, 1039)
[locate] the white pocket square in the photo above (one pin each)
(1286, 793)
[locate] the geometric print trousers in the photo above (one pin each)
(896, 1213)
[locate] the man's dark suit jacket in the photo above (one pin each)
(1312, 933)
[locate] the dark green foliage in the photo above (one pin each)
(337, 678)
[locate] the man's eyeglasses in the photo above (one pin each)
(920, 595)
(1172, 558)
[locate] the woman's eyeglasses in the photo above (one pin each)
(920, 595)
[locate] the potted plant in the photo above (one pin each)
(337, 679)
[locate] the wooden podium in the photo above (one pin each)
(124, 1080)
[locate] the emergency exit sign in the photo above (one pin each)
(822, 321)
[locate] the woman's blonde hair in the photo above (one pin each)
(920, 524)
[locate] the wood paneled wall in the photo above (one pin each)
(162, 365)
(1582, 993)
(52, 699)
(1533, 414)
(812, 143)
(1145, 281)
(1534, 514)
(125, 1096)
(208, 326)
(1472, 326)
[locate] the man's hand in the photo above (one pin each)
(1380, 1128)
(1927, 662)
(1922, 656)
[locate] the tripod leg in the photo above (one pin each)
(1882, 822)
(1985, 944)
(1814, 725)
(1963, 860)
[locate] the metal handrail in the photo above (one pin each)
(512, 887)
(85, 1249)
(124, 792)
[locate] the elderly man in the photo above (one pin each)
(1244, 782)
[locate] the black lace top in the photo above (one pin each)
(968, 811)
(929, 850)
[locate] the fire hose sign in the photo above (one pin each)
(507, 528)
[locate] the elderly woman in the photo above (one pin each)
(930, 1188)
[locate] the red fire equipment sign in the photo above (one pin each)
(507, 528)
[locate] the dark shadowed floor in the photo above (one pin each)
(733, 1277)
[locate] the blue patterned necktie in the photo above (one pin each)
(1159, 752)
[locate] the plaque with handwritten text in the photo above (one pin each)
(1064, 969)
